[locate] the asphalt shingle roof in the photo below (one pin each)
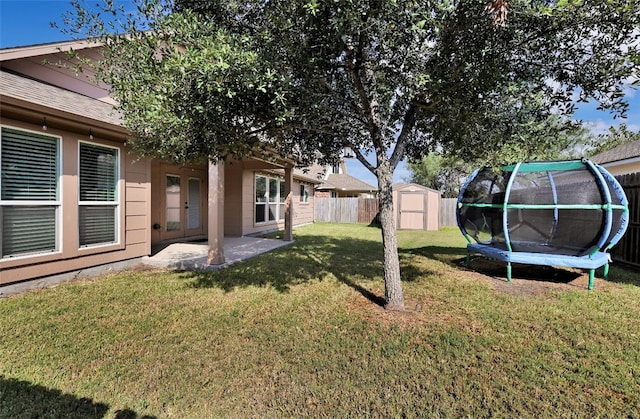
(622, 152)
(33, 91)
(346, 182)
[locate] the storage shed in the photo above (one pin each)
(417, 207)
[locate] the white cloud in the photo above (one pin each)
(598, 126)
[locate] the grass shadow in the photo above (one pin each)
(372, 297)
(437, 252)
(23, 399)
(444, 254)
(624, 274)
(539, 273)
(455, 256)
(310, 258)
(354, 261)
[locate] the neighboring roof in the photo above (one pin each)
(313, 173)
(33, 91)
(344, 182)
(622, 152)
(310, 174)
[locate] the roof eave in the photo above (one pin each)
(14, 53)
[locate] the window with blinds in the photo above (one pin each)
(99, 202)
(29, 192)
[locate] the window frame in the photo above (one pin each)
(305, 195)
(116, 204)
(270, 201)
(57, 203)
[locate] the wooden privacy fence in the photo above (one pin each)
(346, 210)
(448, 212)
(364, 210)
(628, 248)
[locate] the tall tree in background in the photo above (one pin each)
(563, 139)
(389, 79)
(445, 174)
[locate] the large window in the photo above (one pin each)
(99, 201)
(269, 205)
(29, 192)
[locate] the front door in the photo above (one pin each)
(183, 203)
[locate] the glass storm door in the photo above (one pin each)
(193, 206)
(174, 225)
(183, 205)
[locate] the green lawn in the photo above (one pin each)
(300, 332)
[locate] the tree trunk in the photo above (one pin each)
(394, 300)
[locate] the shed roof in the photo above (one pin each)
(412, 186)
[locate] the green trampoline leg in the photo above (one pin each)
(468, 260)
(509, 271)
(605, 275)
(592, 274)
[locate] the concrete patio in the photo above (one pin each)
(179, 256)
(189, 256)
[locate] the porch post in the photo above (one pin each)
(288, 203)
(215, 215)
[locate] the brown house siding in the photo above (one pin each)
(137, 204)
(303, 212)
(133, 186)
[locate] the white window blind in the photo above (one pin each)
(98, 206)
(29, 192)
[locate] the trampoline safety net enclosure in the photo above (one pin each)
(561, 213)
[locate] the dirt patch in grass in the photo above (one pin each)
(412, 315)
(527, 281)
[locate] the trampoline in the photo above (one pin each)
(558, 213)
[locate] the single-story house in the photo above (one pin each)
(337, 183)
(620, 160)
(73, 195)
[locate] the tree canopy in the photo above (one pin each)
(562, 139)
(614, 137)
(442, 173)
(309, 75)
(390, 78)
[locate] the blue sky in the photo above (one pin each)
(28, 22)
